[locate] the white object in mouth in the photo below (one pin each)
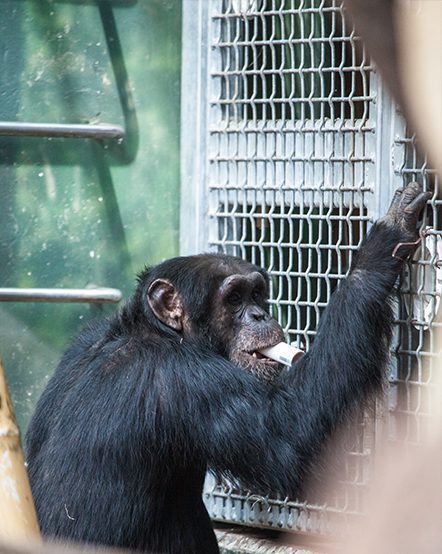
(283, 353)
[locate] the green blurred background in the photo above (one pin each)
(77, 212)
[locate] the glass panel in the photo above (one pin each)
(76, 213)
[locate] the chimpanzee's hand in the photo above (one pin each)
(405, 209)
(391, 240)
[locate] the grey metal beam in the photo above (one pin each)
(92, 295)
(61, 130)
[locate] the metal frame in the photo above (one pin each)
(296, 195)
(196, 24)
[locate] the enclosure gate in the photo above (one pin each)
(291, 149)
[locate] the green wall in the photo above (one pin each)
(75, 212)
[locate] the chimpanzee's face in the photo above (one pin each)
(242, 324)
(236, 323)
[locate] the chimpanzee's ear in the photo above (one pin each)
(166, 303)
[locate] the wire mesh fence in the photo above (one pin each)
(301, 151)
(415, 375)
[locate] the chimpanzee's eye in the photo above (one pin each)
(234, 299)
(256, 295)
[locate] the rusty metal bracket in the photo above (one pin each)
(408, 244)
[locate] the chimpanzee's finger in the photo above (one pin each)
(411, 191)
(418, 203)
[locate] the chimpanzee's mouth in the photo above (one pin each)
(248, 354)
(253, 361)
(251, 358)
(258, 356)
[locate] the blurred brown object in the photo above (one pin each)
(419, 37)
(405, 513)
(404, 37)
(18, 520)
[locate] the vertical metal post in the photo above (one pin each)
(18, 519)
(196, 30)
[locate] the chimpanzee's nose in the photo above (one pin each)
(258, 314)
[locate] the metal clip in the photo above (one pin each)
(409, 244)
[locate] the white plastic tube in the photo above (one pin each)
(283, 353)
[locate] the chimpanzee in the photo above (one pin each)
(145, 401)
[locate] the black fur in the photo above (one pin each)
(134, 416)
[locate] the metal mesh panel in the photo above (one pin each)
(291, 171)
(296, 150)
(288, 60)
(415, 378)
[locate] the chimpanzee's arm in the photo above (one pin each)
(269, 435)
(347, 359)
